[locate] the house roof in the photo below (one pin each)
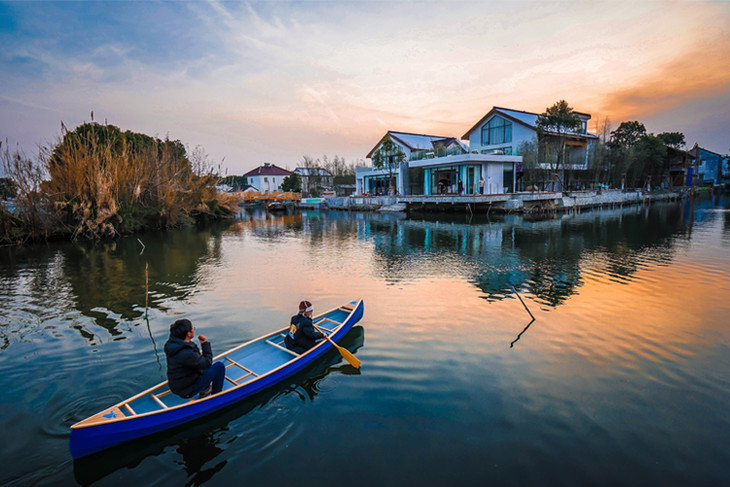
(416, 142)
(528, 119)
(697, 148)
(268, 169)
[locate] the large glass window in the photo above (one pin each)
(507, 174)
(497, 131)
(444, 180)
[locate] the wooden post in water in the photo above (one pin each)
(146, 286)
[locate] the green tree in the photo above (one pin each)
(621, 144)
(647, 161)
(292, 183)
(389, 156)
(554, 126)
(627, 134)
(672, 139)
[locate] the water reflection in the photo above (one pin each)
(200, 443)
(548, 258)
(545, 257)
(104, 281)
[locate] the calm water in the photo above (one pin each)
(622, 379)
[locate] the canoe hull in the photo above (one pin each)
(94, 438)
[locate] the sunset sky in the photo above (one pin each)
(274, 81)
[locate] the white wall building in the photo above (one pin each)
(267, 177)
(436, 164)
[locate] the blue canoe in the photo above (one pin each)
(250, 368)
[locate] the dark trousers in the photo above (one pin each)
(216, 373)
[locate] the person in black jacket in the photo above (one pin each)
(302, 336)
(189, 370)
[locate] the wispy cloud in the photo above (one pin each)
(276, 80)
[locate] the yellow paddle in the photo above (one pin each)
(343, 351)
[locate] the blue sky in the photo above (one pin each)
(274, 81)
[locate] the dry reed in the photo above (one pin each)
(100, 182)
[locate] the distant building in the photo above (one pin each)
(709, 165)
(267, 177)
(315, 180)
(679, 164)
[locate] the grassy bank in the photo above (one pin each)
(100, 182)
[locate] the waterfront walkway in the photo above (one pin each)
(533, 202)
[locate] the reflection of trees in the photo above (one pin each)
(106, 280)
(112, 275)
(545, 256)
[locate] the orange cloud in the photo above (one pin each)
(701, 73)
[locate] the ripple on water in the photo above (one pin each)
(63, 409)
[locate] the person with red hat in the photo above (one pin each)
(302, 336)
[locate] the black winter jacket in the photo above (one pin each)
(185, 364)
(304, 335)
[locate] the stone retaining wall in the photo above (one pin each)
(516, 202)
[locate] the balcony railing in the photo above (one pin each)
(421, 155)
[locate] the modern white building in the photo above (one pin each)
(267, 177)
(504, 131)
(435, 164)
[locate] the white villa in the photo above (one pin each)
(267, 177)
(435, 164)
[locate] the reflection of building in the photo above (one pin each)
(315, 180)
(548, 257)
(435, 164)
(267, 177)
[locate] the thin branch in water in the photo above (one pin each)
(146, 287)
(528, 311)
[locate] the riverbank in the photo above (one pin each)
(505, 203)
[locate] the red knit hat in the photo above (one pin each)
(305, 305)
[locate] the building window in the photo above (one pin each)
(265, 180)
(497, 131)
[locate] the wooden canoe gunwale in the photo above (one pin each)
(97, 419)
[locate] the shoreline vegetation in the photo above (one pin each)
(100, 182)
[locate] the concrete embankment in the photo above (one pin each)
(505, 203)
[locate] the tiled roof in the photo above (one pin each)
(416, 142)
(268, 170)
(526, 118)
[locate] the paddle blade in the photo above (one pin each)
(348, 356)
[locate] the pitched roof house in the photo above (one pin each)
(441, 164)
(267, 177)
(503, 131)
